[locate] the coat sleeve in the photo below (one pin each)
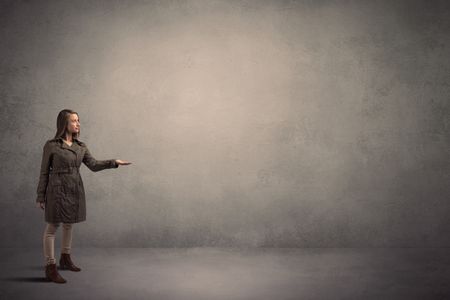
(43, 175)
(97, 165)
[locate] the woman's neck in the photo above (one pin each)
(69, 138)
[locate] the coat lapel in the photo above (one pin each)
(74, 147)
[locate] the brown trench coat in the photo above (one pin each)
(60, 184)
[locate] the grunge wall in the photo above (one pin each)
(248, 123)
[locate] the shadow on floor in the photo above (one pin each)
(26, 279)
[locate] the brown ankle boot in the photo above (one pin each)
(65, 263)
(51, 273)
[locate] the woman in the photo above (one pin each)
(60, 190)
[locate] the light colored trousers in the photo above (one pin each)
(49, 240)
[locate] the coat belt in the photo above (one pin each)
(65, 170)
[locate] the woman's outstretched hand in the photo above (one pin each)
(122, 162)
(40, 205)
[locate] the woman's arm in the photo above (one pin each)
(43, 175)
(98, 165)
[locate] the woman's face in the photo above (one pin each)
(74, 124)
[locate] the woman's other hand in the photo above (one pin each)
(122, 162)
(40, 205)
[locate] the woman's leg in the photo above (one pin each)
(49, 242)
(66, 238)
(65, 261)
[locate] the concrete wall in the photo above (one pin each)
(248, 123)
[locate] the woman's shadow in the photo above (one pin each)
(28, 279)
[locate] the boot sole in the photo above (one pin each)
(63, 267)
(49, 280)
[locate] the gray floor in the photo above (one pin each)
(230, 273)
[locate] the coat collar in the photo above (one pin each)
(74, 147)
